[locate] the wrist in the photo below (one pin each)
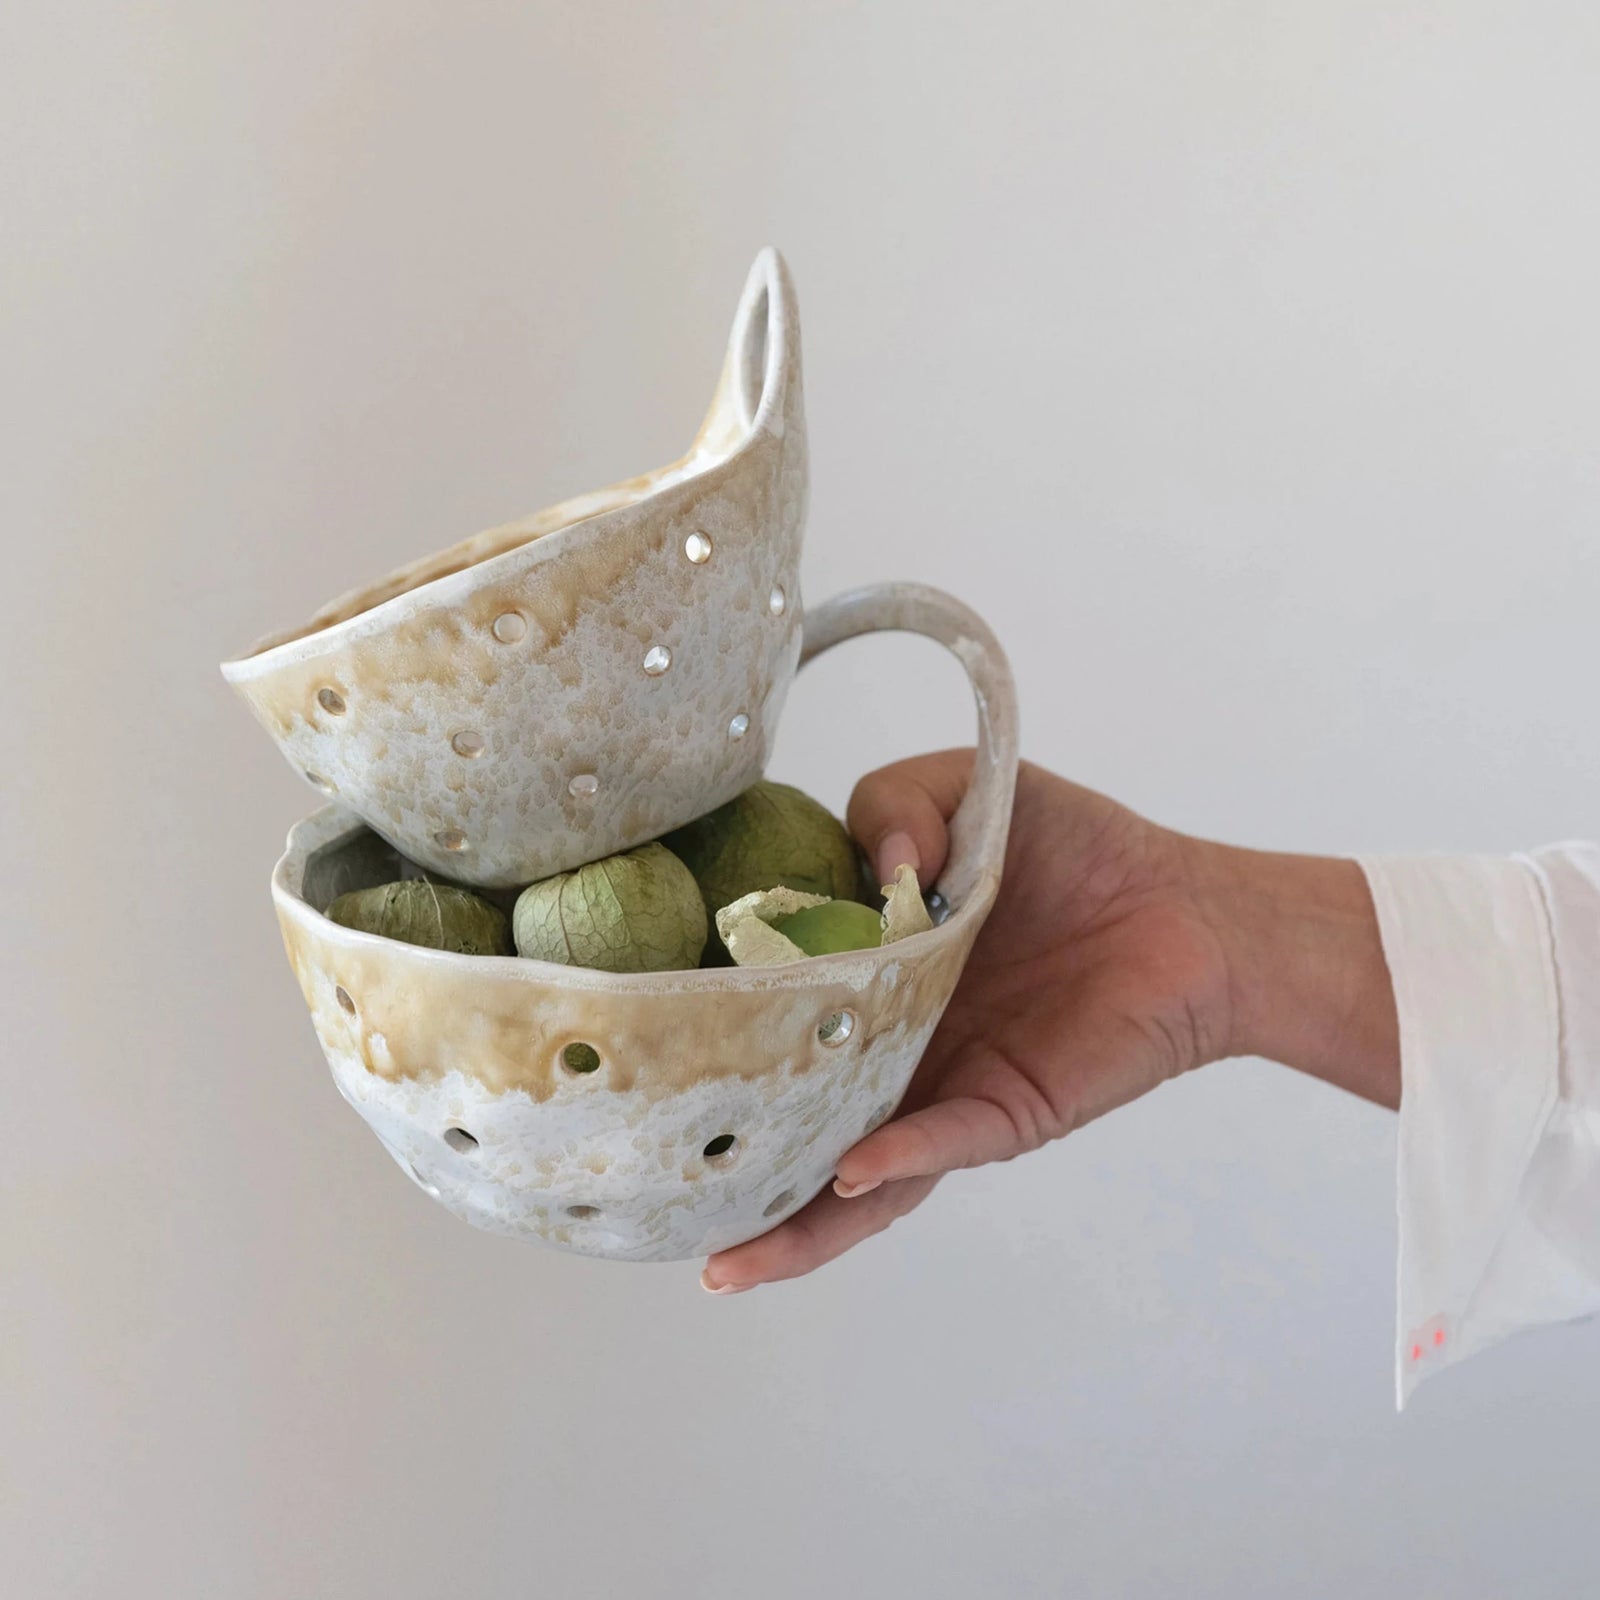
(1307, 981)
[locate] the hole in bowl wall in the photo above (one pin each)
(461, 1141)
(580, 1057)
(834, 1030)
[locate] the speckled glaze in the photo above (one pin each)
(456, 1062)
(583, 680)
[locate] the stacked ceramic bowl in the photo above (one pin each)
(552, 692)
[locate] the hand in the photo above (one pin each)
(1118, 954)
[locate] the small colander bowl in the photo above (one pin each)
(583, 680)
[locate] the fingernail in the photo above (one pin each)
(722, 1288)
(898, 850)
(848, 1191)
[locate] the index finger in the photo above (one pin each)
(903, 811)
(816, 1234)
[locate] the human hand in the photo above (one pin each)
(1118, 954)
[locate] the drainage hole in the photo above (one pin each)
(837, 1028)
(580, 1057)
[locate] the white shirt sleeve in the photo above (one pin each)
(1496, 969)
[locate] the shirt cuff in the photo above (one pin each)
(1468, 944)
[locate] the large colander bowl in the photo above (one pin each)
(644, 1117)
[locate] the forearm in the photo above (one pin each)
(1308, 983)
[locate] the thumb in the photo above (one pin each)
(901, 813)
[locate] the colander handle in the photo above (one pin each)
(983, 819)
(761, 347)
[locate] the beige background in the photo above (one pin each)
(1239, 361)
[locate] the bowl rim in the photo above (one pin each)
(329, 825)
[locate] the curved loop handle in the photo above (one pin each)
(758, 348)
(983, 819)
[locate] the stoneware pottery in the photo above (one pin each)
(583, 680)
(641, 1117)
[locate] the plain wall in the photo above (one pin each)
(1239, 361)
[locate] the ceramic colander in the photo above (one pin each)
(584, 680)
(644, 1117)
